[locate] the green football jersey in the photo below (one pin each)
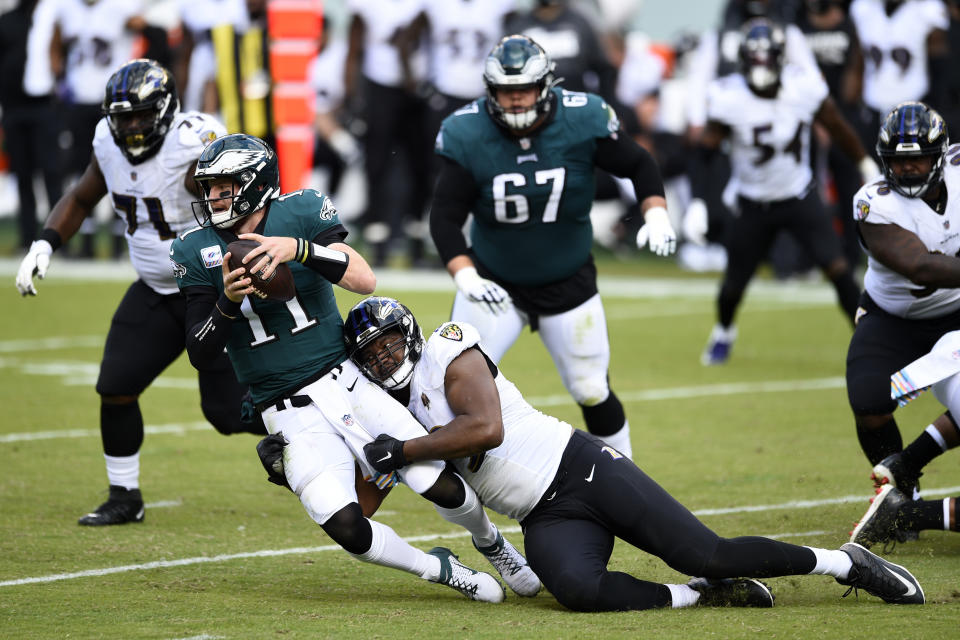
(275, 346)
(532, 218)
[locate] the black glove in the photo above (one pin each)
(385, 454)
(270, 450)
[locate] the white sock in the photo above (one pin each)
(946, 514)
(387, 549)
(620, 440)
(471, 516)
(937, 436)
(727, 334)
(124, 471)
(831, 562)
(682, 595)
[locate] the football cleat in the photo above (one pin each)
(124, 505)
(512, 566)
(893, 470)
(881, 522)
(476, 585)
(889, 582)
(718, 346)
(732, 592)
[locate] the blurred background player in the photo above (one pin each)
(522, 160)
(144, 152)
(766, 111)
(29, 122)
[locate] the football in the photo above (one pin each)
(279, 287)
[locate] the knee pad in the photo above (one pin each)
(590, 391)
(348, 528)
(324, 499)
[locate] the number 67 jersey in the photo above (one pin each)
(150, 197)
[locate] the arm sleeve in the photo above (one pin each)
(208, 321)
(623, 157)
(455, 194)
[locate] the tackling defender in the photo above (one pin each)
(572, 494)
(292, 355)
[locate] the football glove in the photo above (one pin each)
(270, 450)
(658, 231)
(35, 263)
(385, 454)
(696, 222)
(478, 289)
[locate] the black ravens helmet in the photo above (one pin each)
(912, 129)
(250, 163)
(368, 320)
(139, 103)
(761, 54)
(518, 62)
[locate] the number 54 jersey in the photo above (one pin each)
(770, 154)
(150, 197)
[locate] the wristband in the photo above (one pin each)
(329, 263)
(52, 236)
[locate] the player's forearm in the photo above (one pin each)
(208, 320)
(463, 436)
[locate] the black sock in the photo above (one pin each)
(121, 428)
(606, 418)
(921, 514)
(920, 452)
(877, 444)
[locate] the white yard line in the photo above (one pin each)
(265, 553)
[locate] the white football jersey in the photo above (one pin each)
(895, 49)
(384, 19)
(151, 196)
(462, 33)
(770, 137)
(511, 478)
(98, 43)
(877, 203)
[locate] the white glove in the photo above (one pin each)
(479, 289)
(869, 171)
(35, 263)
(658, 231)
(696, 222)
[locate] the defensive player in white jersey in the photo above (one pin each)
(908, 225)
(766, 111)
(144, 154)
(904, 44)
(572, 494)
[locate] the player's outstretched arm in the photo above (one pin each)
(62, 223)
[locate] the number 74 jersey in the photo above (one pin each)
(150, 197)
(770, 145)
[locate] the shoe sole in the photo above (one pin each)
(865, 520)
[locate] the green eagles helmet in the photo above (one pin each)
(518, 62)
(250, 163)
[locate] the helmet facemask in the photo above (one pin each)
(912, 129)
(518, 62)
(399, 342)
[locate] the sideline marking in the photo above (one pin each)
(268, 553)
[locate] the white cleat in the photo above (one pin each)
(476, 585)
(512, 567)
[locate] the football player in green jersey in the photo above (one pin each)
(293, 357)
(522, 160)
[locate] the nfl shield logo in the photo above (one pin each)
(133, 176)
(347, 419)
(946, 224)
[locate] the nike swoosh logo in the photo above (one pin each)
(350, 388)
(909, 585)
(589, 478)
(552, 496)
(386, 457)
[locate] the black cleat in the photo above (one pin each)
(889, 582)
(893, 470)
(124, 505)
(882, 521)
(732, 592)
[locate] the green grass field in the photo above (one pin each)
(762, 446)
